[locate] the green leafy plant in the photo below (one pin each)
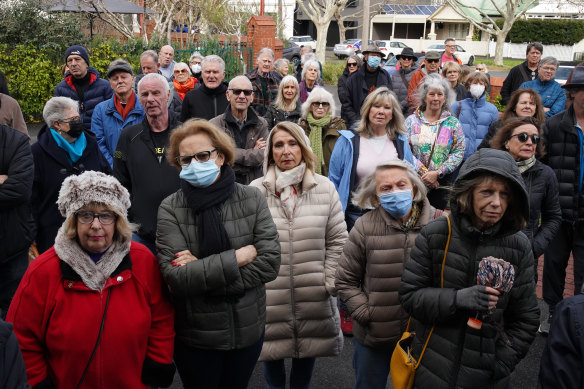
(332, 71)
(548, 32)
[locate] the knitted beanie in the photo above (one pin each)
(77, 50)
(92, 187)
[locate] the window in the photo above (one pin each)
(457, 30)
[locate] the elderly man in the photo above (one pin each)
(526, 71)
(247, 129)
(400, 79)
(362, 82)
(148, 64)
(122, 110)
(448, 54)
(265, 85)
(431, 65)
(83, 84)
(17, 225)
(166, 60)
(210, 99)
(196, 65)
(140, 162)
(552, 96)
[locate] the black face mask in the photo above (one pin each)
(75, 128)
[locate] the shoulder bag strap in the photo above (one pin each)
(525, 76)
(441, 286)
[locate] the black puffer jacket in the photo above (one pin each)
(401, 89)
(356, 88)
(342, 84)
(564, 156)
(276, 115)
(12, 369)
(458, 356)
(204, 103)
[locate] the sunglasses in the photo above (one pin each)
(317, 104)
(522, 137)
(407, 58)
(351, 64)
(181, 71)
(432, 60)
(237, 92)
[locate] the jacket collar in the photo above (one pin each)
(251, 120)
(93, 75)
(220, 90)
(269, 182)
(111, 107)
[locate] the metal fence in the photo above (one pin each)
(238, 57)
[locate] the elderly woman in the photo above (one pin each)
(523, 103)
(183, 80)
(286, 107)
(451, 72)
(321, 126)
(371, 265)
(302, 320)
(353, 64)
(195, 64)
(521, 137)
(436, 138)
(63, 148)
(489, 208)
(475, 113)
(91, 311)
(311, 77)
(379, 136)
(281, 68)
(217, 247)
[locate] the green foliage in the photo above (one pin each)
(548, 32)
(497, 103)
(332, 71)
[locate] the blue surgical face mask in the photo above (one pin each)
(200, 174)
(397, 203)
(373, 61)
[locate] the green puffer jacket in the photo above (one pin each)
(457, 355)
(219, 305)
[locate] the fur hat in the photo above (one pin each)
(92, 187)
(77, 50)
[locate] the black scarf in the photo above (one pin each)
(205, 202)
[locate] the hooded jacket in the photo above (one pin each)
(99, 90)
(458, 356)
(51, 167)
(204, 103)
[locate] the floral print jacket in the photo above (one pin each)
(437, 146)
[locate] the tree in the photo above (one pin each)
(341, 19)
(509, 10)
(114, 20)
(321, 13)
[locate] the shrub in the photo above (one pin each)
(331, 71)
(548, 32)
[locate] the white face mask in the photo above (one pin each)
(196, 68)
(477, 90)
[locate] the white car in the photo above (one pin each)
(391, 48)
(303, 40)
(465, 56)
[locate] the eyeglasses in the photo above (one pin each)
(432, 60)
(522, 137)
(351, 64)
(202, 156)
(450, 46)
(181, 71)
(316, 104)
(548, 68)
(237, 92)
(196, 63)
(73, 119)
(105, 218)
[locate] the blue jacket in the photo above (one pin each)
(476, 115)
(107, 124)
(98, 90)
(343, 164)
(551, 93)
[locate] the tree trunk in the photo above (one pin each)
(321, 32)
(341, 24)
(501, 35)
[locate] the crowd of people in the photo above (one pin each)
(195, 224)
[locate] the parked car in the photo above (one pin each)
(391, 64)
(391, 48)
(465, 56)
(563, 73)
(303, 40)
(347, 48)
(291, 53)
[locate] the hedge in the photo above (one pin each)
(548, 32)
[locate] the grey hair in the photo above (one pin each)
(356, 58)
(149, 53)
(279, 103)
(55, 109)
(213, 58)
(308, 57)
(182, 65)
(365, 196)
(155, 76)
(548, 60)
(449, 40)
(196, 54)
(435, 81)
(266, 50)
(237, 78)
(319, 94)
(281, 63)
(537, 45)
(311, 63)
(395, 126)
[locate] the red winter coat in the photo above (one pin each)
(57, 320)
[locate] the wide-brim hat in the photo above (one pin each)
(577, 79)
(407, 52)
(432, 55)
(373, 49)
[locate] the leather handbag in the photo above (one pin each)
(403, 365)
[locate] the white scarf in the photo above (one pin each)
(286, 182)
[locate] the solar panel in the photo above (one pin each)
(399, 9)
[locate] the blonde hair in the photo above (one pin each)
(319, 94)
(279, 103)
(395, 126)
(298, 134)
(123, 228)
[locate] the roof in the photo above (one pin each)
(409, 9)
(115, 6)
(488, 8)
